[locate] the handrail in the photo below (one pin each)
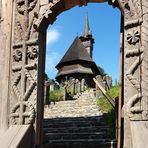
(109, 98)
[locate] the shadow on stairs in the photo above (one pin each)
(77, 132)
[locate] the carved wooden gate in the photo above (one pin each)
(26, 26)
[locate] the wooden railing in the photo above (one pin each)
(113, 102)
(109, 98)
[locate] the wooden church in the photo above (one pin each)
(77, 62)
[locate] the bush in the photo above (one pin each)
(103, 103)
(56, 95)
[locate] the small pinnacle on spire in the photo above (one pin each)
(86, 29)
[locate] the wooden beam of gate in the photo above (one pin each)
(109, 98)
(120, 126)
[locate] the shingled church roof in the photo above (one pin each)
(77, 61)
(76, 52)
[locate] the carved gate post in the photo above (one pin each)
(135, 73)
(5, 46)
(27, 68)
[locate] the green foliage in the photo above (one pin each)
(114, 91)
(107, 109)
(102, 72)
(46, 77)
(56, 95)
(103, 102)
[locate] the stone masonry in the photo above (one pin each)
(77, 124)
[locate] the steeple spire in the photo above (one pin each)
(86, 29)
(87, 38)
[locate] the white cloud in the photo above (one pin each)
(53, 36)
(51, 60)
(52, 57)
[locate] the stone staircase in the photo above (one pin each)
(84, 106)
(76, 124)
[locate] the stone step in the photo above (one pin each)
(73, 124)
(104, 129)
(75, 120)
(81, 143)
(72, 136)
(79, 129)
(72, 119)
(79, 124)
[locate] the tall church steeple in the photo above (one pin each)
(87, 38)
(86, 29)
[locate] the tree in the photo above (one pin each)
(102, 72)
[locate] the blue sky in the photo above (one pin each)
(104, 24)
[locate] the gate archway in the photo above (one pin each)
(28, 23)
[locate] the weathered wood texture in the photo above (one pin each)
(120, 100)
(108, 97)
(23, 24)
(5, 46)
(17, 136)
